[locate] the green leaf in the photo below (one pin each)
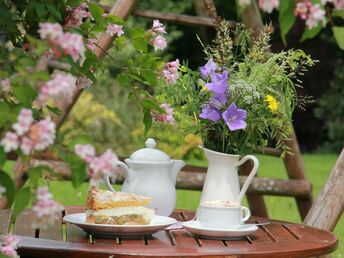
(140, 44)
(149, 76)
(54, 110)
(4, 111)
(21, 201)
(41, 10)
(34, 175)
(25, 94)
(147, 120)
(96, 11)
(78, 169)
(150, 105)
(54, 12)
(311, 33)
(338, 13)
(115, 19)
(3, 157)
(338, 33)
(74, 3)
(7, 182)
(286, 17)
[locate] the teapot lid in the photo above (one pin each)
(149, 154)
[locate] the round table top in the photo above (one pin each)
(276, 239)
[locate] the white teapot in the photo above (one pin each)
(151, 172)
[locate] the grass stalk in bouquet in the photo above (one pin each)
(244, 96)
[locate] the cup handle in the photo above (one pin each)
(251, 175)
(107, 177)
(247, 214)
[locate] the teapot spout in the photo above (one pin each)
(177, 165)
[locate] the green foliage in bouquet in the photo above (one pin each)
(244, 96)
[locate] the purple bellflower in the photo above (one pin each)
(219, 83)
(234, 117)
(208, 69)
(210, 112)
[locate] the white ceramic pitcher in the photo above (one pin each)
(222, 180)
(151, 172)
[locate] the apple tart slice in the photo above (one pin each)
(117, 208)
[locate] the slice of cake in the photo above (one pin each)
(117, 208)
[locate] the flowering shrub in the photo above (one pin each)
(315, 13)
(39, 35)
(243, 96)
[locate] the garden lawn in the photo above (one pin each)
(318, 167)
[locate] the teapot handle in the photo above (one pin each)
(107, 177)
(251, 175)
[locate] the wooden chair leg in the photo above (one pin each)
(329, 206)
(296, 170)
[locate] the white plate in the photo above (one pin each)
(237, 231)
(157, 223)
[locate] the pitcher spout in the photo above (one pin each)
(177, 165)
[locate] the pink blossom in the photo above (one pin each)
(244, 3)
(268, 5)
(46, 209)
(316, 15)
(6, 85)
(159, 42)
(102, 165)
(50, 31)
(8, 245)
(158, 28)
(167, 117)
(76, 15)
(27, 145)
(72, 45)
(91, 44)
(59, 87)
(301, 9)
(25, 120)
(85, 151)
(42, 134)
(114, 29)
(170, 72)
(10, 142)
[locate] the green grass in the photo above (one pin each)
(318, 167)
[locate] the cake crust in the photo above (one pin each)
(103, 199)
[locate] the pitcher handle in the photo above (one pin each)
(250, 176)
(107, 177)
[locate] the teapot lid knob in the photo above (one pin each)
(150, 143)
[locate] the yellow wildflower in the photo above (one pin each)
(272, 103)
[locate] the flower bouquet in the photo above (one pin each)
(243, 97)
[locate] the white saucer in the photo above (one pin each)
(157, 223)
(237, 231)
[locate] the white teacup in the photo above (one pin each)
(222, 216)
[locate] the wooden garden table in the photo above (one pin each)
(277, 239)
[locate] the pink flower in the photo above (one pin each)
(316, 15)
(268, 5)
(72, 45)
(76, 15)
(85, 151)
(25, 120)
(158, 28)
(91, 44)
(46, 209)
(10, 142)
(159, 42)
(8, 245)
(114, 29)
(6, 85)
(313, 14)
(59, 87)
(42, 134)
(170, 72)
(27, 145)
(167, 117)
(50, 31)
